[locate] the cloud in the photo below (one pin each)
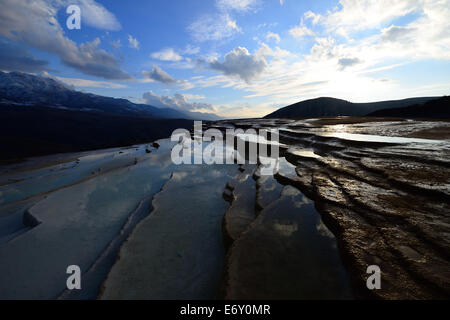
(348, 62)
(425, 36)
(220, 25)
(191, 50)
(239, 62)
(116, 44)
(75, 82)
(237, 5)
(36, 26)
(16, 58)
(159, 75)
(185, 84)
(315, 18)
(266, 51)
(301, 31)
(194, 96)
(133, 42)
(94, 61)
(178, 61)
(324, 49)
(272, 35)
(95, 15)
(177, 101)
(354, 15)
(396, 33)
(212, 28)
(167, 54)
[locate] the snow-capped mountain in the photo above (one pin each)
(27, 89)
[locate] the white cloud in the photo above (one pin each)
(221, 25)
(133, 42)
(186, 85)
(266, 25)
(177, 101)
(191, 50)
(266, 51)
(90, 83)
(167, 54)
(315, 18)
(237, 5)
(354, 15)
(426, 36)
(301, 31)
(239, 62)
(212, 28)
(324, 49)
(274, 36)
(194, 96)
(95, 15)
(159, 75)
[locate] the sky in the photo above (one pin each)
(234, 58)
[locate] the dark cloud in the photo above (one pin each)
(158, 74)
(240, 63)
(98, 62)
(17, 58)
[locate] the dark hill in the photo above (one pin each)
(434, 109)
(329, 107)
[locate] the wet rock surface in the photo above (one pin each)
(286, 253)
(242, 204)
(385, 198)
(177, 251)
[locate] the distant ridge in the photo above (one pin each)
(329, 107)
(434, 109)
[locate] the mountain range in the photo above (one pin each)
(26, 89)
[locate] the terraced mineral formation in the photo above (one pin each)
(383, 195)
